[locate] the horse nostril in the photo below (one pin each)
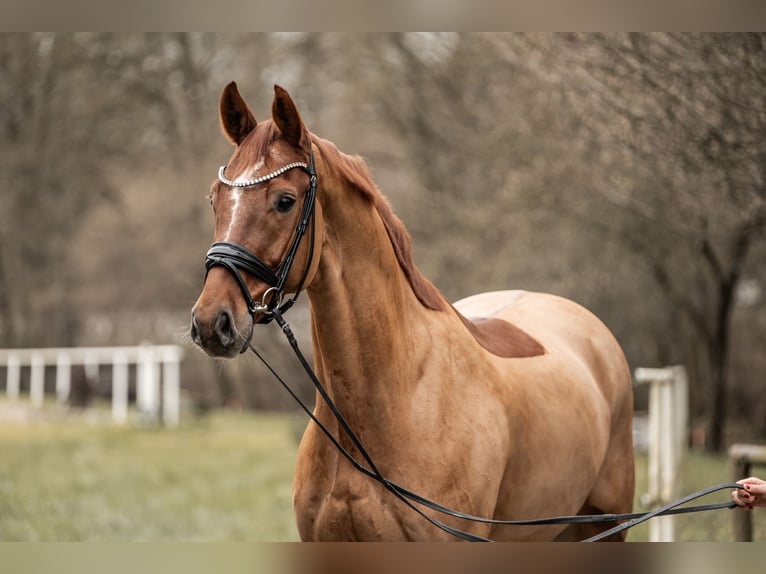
(194, 330)
(224, 329)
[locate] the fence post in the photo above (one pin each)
(13, 377)
(667, 426)
(120, 388)
(37, 380)
(171, 382)
(147, 384)
(63, 376)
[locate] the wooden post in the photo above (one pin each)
(147, 386)
(37, 380)
(63, 376)
(743, 457)
(13, 380)
(667, 428)
(170, 391)
(120, 388)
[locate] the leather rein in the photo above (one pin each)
(235, 258)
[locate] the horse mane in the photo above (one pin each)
(354, 169)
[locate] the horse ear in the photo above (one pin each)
(288, 120)
(236, 118)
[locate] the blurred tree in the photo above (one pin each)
(624, 171)
(675, 133)
(77, 108)
(655, 142)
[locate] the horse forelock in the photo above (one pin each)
(354, 170)
(254, 148)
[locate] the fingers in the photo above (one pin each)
(755, 486)
(752, 481)
(754, 493)
(742, 498)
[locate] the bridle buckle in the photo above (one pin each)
(263, 306)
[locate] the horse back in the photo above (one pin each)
(564, 330)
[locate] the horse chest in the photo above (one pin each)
(333, 501)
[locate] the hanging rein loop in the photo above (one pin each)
(235, 258)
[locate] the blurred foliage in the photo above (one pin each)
(623, 171)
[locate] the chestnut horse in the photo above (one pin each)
(508, 405)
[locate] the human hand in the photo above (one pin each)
(754, 493)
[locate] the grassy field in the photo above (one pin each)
(225, 478)
(222, 478)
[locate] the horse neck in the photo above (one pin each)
(367, 323)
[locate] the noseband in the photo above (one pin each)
(235, 258)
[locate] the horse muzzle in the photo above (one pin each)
(218, 332)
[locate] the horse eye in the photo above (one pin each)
(285, 204)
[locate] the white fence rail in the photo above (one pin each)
(668, 419)
(157, 376)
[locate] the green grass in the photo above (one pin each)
(227, 478)
(224, 478)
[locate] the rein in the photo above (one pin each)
(410, 498)
(235, 257)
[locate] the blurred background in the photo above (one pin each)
(627, 172)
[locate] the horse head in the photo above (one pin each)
(263, 202)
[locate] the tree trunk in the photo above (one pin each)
(718, 354)
(718, 343)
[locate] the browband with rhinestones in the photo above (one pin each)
(223, 179)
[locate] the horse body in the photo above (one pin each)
(574, 401)
(497, 437)
(543, 431)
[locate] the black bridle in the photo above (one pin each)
(234, 257)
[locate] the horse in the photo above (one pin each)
(506, 404)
